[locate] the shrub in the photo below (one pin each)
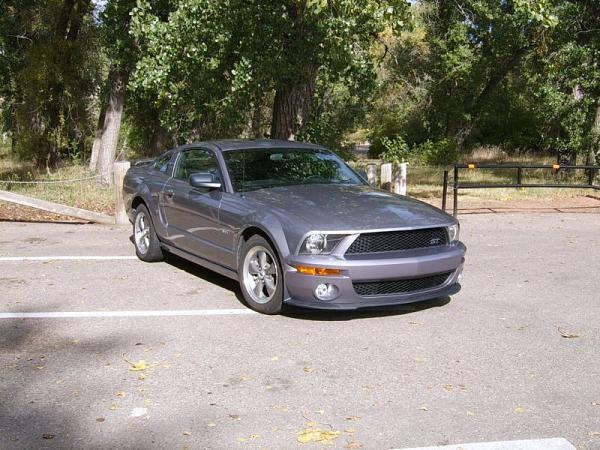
(395, 150)
(437, 153)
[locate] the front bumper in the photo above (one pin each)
(409, 264)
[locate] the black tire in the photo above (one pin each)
(146, 249)
(270, 274)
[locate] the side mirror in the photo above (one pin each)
(204, 180)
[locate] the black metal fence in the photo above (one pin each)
(556, 168)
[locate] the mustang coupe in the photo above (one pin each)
(293, 224)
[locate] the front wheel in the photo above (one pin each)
(261, 277)
(147, 245)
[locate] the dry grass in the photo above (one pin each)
(426, 181)
(86, 193)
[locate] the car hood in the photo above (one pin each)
(334, 207)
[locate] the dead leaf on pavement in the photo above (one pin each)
(120, 394)
(308, 369)
(352, 445)
(48, 436)
(353, 418)
(594, 433)
(448, 387)
(424, 408)
(519, 410)
(187, 433)
(316, 435)
(567, 334)
(470, 413)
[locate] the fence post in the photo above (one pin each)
(386, 176)
(445, 190)
(372, 173)
(400, 179)
(119, 170)
(455, 189)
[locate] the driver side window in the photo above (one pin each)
(197, 160)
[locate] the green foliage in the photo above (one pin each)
(396, 150)
(437, 153)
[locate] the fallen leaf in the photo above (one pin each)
(311, 424)
(414, 322)
(234, 417)
(308, 369)
(100, 419)
(418, 359)
(187, 433)
(139, 366)
(424, 408)
(448, 387)
(275, 429)
(241, 439)
(349, 430)
(39, 367)
(275, 358)
(470, 413)
(594, 433)
(120, 394)
(567, 334)
(113, 407)
(255, 436)
(519, 410)
(353, 418)
(211, 424)
(48, 436)
(320, 412)
(316, 435)
(352, 445)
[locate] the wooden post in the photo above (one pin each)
(400, 178)
(372, 174)
(386, 176)
(119, 171)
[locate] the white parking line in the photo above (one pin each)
(88, 314)
(530, 444)
(64, 258)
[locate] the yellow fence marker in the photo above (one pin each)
(471, 166)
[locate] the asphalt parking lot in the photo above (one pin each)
(514, 355)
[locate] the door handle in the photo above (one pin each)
(169, 193)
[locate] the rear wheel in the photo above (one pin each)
(147, 245)
(261, 278)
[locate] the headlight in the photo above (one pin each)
(453, 232)
(319, 243)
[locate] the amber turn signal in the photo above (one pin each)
(306, 270)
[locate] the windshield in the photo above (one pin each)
(261, 168)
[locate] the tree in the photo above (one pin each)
(48, 76)
(212, 61)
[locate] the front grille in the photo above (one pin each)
(389, 287)
(390, 241)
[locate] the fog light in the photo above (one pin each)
(326, 291)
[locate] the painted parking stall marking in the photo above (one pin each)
(530, 444)
(100, 314)
(66, 258)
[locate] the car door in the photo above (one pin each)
(192, 214)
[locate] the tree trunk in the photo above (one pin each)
(112, 125)
(67, 29)
(98, 137)
(256, 126)
(291, 108)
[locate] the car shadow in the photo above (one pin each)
(205, 274)
(332, 315)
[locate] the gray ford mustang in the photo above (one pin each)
(293, 224)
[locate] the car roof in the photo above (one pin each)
(253, 144)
